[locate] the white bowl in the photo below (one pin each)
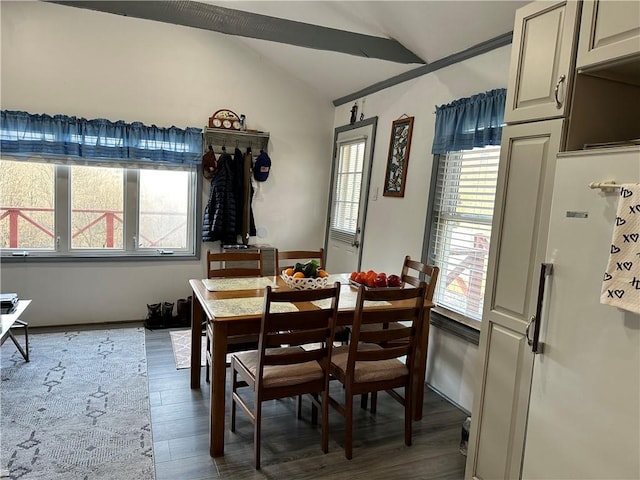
(304, 283)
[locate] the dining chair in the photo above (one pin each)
(372, 360)
(234, 264)
(413, 273)
(228, 265)
(300, 255)
(274, 371)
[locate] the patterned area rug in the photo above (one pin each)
(79, 410)
(181, 345)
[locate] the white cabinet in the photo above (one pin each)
(609, 31)
(518, 243)
(551, 106)
(541, 61)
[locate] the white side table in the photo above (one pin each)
(11, 321)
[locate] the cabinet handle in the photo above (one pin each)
(527, 331)
(557, 89)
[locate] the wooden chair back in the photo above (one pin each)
(406, 312)
(234, 264)
(313, 328)
(283, 258)
(425, 273)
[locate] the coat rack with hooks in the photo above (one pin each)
(231, 139)
(248, 142)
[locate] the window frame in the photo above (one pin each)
(62, 250)
(360, 144)
(456, 323)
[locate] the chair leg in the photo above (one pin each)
(408, 416)
(314, 411)
(299, 413)
(234, 385)
(364, 399)
(348, 433)
(206, 363)
(374, 402)
(418, 387)
(325, 421)
(257, 433)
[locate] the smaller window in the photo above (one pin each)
(163, 217)
(348, 181)
(461, 227)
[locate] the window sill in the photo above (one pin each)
(456, 324)
(44, 258)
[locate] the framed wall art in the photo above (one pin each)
(398, 160)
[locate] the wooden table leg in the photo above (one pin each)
(196, 340)
(218, 386)
(421, 366)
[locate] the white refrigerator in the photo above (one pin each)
(584, 412)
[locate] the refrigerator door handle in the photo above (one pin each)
(546, 269)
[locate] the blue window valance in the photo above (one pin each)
(25, 134)
(470, 122)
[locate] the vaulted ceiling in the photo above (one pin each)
(342, 49)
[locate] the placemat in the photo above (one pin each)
(348, 301)
(236, 307)
(249, 283)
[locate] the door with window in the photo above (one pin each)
(351, 170)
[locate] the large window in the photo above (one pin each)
(73, 187)
(461, 227)
(76, 210)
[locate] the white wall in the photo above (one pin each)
(58, 59)
(395, 226)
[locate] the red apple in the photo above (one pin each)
(394, 281)
(380, 281)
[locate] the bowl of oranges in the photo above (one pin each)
(305, 276)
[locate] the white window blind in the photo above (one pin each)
(461, 227)
(348, 181)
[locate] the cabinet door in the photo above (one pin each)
(518, 247)
(610, 30)
(541, 61)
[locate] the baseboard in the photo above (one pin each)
(85, 326)
(448, 399)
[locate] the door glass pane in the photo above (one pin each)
(27, 205)
(164, 209)
(97, 207)
(344, 219)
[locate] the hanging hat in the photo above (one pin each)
(261, 167)
(209, 164)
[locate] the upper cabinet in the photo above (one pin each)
(542, 61)
(609, 31)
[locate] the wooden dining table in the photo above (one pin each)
(244, 323)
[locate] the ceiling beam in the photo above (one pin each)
(252, 25)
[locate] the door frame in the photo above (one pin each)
(364, 192)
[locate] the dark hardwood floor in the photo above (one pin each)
(291, 447)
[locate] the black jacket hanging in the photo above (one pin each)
(219, 219)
